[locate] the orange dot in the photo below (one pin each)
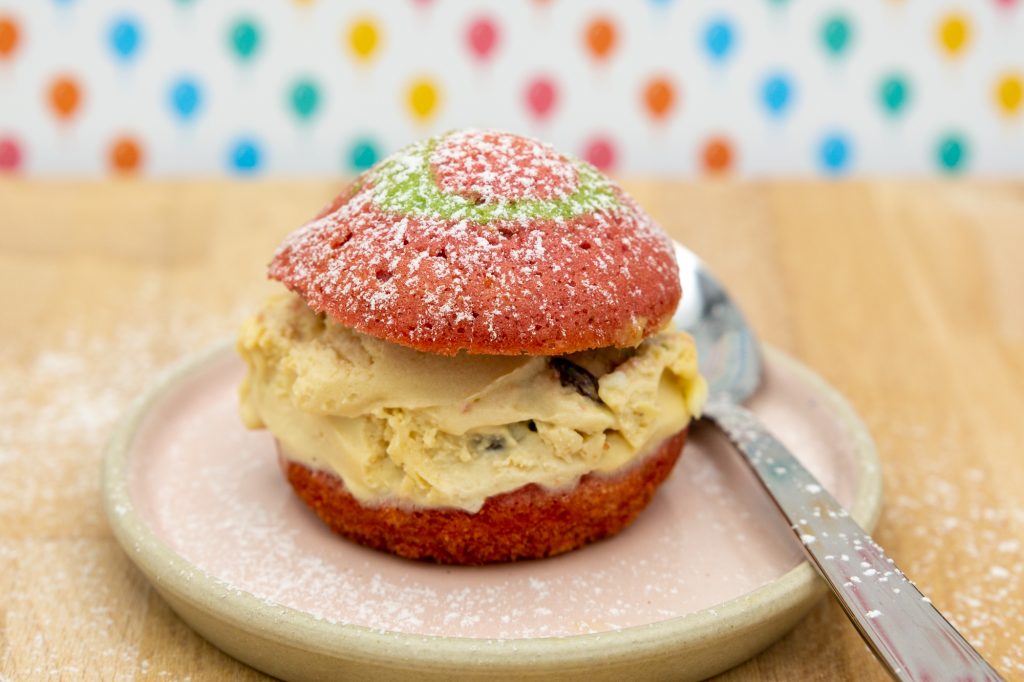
(600, 37)
(659, 96)
(65, 97)
(8, 37)
(717, 155)
(125, 155)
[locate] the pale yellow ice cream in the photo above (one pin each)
(402, 426)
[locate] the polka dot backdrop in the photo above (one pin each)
(311, 87)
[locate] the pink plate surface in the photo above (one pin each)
(212, 491)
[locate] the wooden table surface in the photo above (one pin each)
(909, 298)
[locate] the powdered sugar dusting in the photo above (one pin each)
(496, 265)
(495, 168)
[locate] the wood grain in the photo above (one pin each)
(908, 297)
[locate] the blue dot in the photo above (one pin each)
(718, 39)
(125, 38)
(245, 156)
(186, 98)
(777, 94)
(363, 154)
(835, 152)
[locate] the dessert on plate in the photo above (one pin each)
(474, 360)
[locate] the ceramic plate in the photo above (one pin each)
(706, 577)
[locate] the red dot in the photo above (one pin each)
(541, 97)
(482, 37)
(717, 155)
(10, 155)
(125, 155)
(600, 152)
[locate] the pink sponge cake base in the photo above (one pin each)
(526, 523)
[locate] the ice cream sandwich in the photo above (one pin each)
(474, 360)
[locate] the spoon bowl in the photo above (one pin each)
(727, 350)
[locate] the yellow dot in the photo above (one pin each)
(363, 38)
(954, 34)
(423, 98)
(1010, 93)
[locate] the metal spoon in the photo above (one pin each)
(907, 634)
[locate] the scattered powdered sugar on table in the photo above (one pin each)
(71, 603)
(976, 552)
(88, 381)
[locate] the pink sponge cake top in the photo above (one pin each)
(485, 242)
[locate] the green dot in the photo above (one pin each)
(305, 98)
(894, 94)
(363, 154)
(245, 39)
(837, 34)
(951, 153)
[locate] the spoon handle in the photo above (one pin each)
(908, 635)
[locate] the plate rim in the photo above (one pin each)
(169, 571)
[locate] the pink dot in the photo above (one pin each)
(482, 37)
(541, 97)
(10, 155)
(600, 152)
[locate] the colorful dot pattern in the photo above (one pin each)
(770, 87)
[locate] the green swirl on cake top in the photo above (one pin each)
(405, 184)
